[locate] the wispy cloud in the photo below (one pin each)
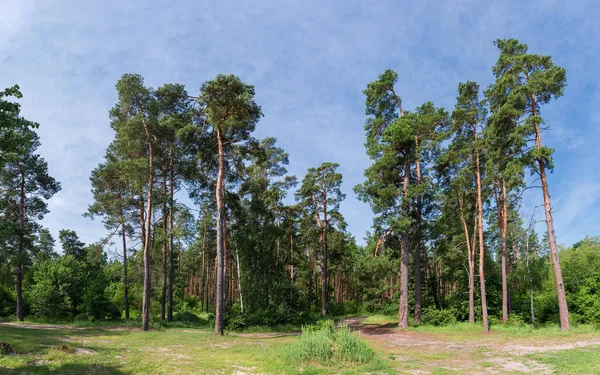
(309, 61)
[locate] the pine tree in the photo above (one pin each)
(530, 81)
(26, 188)
(228, 107)
(321, 195)
(390, 143)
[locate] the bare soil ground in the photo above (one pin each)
(465, 353)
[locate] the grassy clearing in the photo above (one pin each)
(576, 361)
(121, 350)
(379, 349)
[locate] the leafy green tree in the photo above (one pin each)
(58, 287)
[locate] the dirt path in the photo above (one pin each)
(425, 353)
(53, 327)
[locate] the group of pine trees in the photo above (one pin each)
(445, 188)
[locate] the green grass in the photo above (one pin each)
(113, 348)
(101, 349)
(329, 345)
(380, 319)
(574, 361)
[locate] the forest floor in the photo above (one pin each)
(457, 349)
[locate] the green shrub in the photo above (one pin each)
(7, 302)
(343, 308)
(435, 317)
(188, 317)
(58, 289)
(515, 320)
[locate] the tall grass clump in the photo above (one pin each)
(324, 343)
(350, 347)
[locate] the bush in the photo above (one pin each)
(437, 318)
(323, 342)
(96, 302)
(343, 308)
(515, 320)
(7, 302)
(587, 300)
(188, 317)
(58, 288)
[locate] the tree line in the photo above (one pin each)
(445, 188)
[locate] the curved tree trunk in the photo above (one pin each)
(563, 309)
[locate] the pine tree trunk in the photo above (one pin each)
(563, 309)
(314, 269)
(171, 259)
(204, 271)
(403, 307)
(220, 276)
(292, 274)
(237, 256)
(484, 312)
(417, 258)
(125, 283)
(470, 261)
(148, 229)
(324, 284)
(503, 225)
(163, 295)
(21, 251)
(142, 215)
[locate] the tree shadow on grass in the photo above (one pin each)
(66, 369)
(34, 340)
(380, 329)
(33, 344)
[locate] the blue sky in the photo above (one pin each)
(309, 62)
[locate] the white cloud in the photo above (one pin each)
(309, 61)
